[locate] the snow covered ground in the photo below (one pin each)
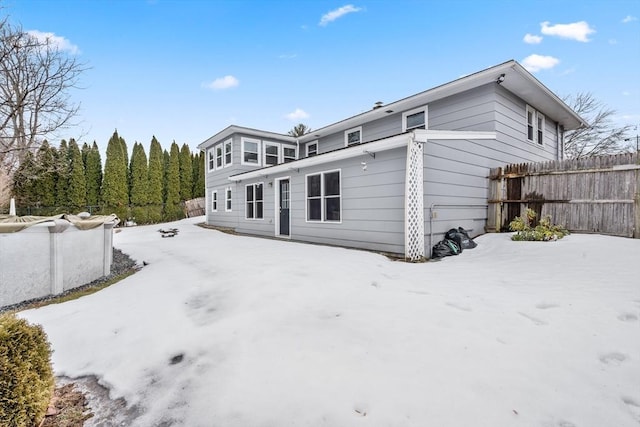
(222, 330)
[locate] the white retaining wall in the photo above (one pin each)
(52, 257)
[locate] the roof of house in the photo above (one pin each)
(514, 77)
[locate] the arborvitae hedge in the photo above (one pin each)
(77, 190)
(26, 376)
(93, 175)
(186, 173)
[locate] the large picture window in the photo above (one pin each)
(324, 197)
(254, 201)
(250, 151)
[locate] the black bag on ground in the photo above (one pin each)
(460, 236)
(445, 248)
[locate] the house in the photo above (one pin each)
(392, 179)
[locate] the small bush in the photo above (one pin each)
(544, 231)
(26, 376)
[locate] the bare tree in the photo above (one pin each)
(36, 77)
(299, 130)
(600, 136)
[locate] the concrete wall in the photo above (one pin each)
(50, 258)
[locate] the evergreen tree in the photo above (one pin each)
(85, 152)
(77, 189)
(23, 182)
(186, 173)
(46, 183)
(198, 175)
(139, 176)
(115, 194)
(172, 202)
(156, 181)
(165, 173)
(93, 175)
(62, 177)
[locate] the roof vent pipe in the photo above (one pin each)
(377, 105)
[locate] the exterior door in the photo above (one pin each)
(284, 194)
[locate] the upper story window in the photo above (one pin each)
(312, 149)
(288, 154)
(353, 136)
(414, 119)
(535, 125)
(254, 201)
(211, 159)
(271, 153)
(228, 152)
(323, 196)
(250, 151)
(219, 156)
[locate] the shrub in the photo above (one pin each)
(544, 231)
(26, 376)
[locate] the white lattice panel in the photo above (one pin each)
(414, 203)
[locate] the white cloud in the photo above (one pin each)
(626, 93)
(578, 31)
(287, 56)
(534, 63)
(628, 19)
(57, 41)
(298, 114)
(613, 41)
(532, 39)
(337, 13)
(220, 83)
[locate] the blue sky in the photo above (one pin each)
(184, 70)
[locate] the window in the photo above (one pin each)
(323, 197)
(250, 151)
(353, 136)
(535, 126)
(271, 153)
(210, 159)
(254, 201)
(219, 157)
(227, 202)
(288, 154)
(227, 153)
(214, 201)
(414, 119)
(312, 149)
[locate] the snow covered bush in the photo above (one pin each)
(26, 376)
(544, 231)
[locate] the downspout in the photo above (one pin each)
(298, 147)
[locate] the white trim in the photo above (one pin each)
(257, 152)
(423, 109)
(368, 148)
(349, 131)
(266, 144)
(307, 148)
(322, 197)
(254, 201)
(228, 199)
(228, 142)
(214, 198)
(276, 209)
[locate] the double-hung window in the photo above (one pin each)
(219, 156)
(227, 199)
(250, 151)
(254, 201)
(414, 119)
(324, 197)
(271, 153)
(353, 136)
(214, 201)
(288, 154)
(211, 159)
(312, 149)
(535, 125)
(227, 153)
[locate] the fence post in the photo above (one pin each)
(636, 202)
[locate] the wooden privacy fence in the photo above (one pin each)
(597, 194)
(194, 207)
